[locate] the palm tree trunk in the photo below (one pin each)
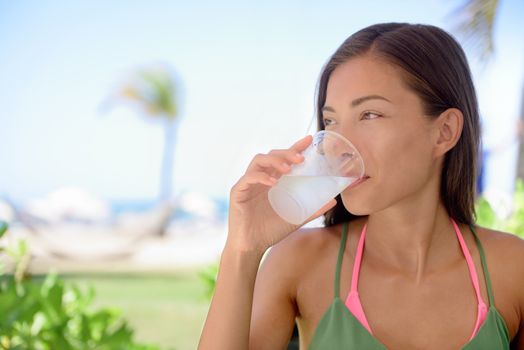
(166, 181)
(520, 157)
(166, 176)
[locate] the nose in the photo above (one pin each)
(348, 159)
(348, 166)
(346, 156)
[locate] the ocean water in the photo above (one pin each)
(143, 205)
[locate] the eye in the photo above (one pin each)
(327, 121)
(370, 115)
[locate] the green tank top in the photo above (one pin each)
(340, 329)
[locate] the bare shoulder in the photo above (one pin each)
(505, 255)
(281, 273)
(503, 246)
(306, 249)
(301, 245)
(284, 264)
(505, 260)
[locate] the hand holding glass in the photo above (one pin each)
(331, 163)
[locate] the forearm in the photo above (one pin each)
(229, 317)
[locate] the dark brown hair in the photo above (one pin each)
(434, 67)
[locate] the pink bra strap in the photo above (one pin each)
(469, 260)
(353, 300)
(482, 309)
(358, 260)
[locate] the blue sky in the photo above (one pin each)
(248, 71)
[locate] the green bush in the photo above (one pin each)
(487, 217)
(46, 313)
(208, 277)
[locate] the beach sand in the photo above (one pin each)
(80, 248)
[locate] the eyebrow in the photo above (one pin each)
(358, 101)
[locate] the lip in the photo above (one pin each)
(358, 182)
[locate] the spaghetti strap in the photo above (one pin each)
(484, 266)
(339, 259)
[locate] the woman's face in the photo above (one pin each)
(368, 103)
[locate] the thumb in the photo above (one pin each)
(322, 210)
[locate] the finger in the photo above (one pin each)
(302, 144)
(255, 178)
(322, 210)
(281, 160)
(264, 161)
(290, 155)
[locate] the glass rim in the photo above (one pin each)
(345, 140)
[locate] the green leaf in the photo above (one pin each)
(208, 278)
(485, 214)
(52, 315)
(118, 337)
(514, 223)
(3, 228)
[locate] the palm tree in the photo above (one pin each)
(476, 22)
(153, 91)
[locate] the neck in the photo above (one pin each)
(415, 237)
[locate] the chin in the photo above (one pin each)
(359, 208)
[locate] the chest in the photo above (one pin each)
(438, 313)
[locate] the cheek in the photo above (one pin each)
(404, 160)
(398, 166)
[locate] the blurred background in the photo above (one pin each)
(124, 124)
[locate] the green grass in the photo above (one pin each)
(167, 310)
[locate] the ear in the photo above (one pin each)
(447, 130)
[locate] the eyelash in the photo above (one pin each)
(368, 113)
(363, 114)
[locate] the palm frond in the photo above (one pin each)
(152, 90)
(476, 20)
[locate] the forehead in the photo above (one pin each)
(367, 75)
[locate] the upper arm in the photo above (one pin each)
(274, 308)
(517, 254)
(518, 340)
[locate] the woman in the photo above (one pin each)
(426, 277)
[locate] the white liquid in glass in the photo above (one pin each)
(296, 198)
